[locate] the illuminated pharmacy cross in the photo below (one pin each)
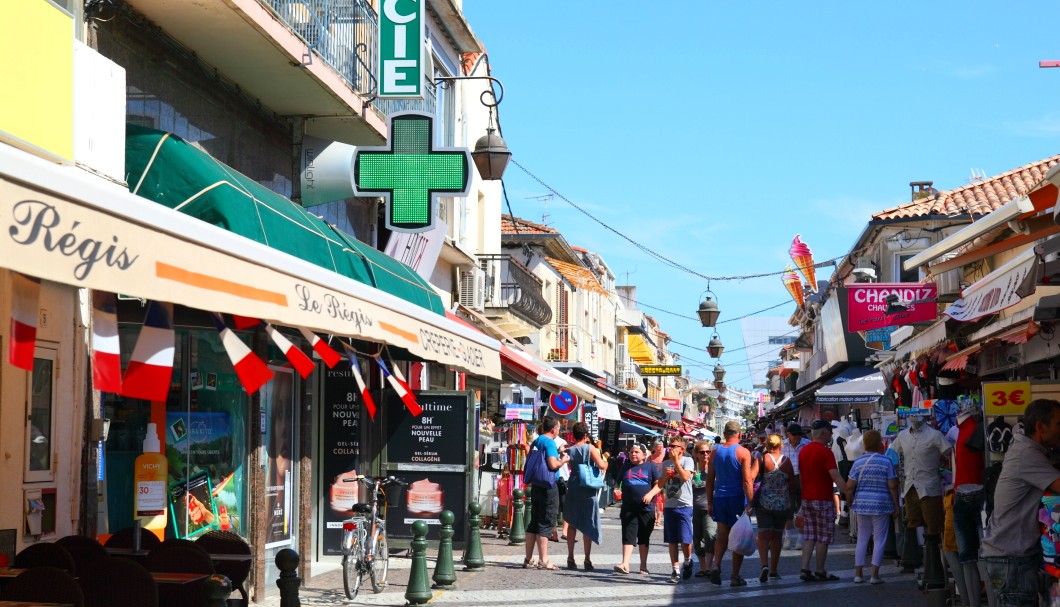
(410, 172)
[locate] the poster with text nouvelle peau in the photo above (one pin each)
(340, 431)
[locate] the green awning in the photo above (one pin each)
(164, 168)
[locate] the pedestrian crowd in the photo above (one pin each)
(702, 495)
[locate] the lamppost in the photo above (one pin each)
(491, 154)
(708, 310)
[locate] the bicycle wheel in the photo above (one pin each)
(381, 562)
(352, 571)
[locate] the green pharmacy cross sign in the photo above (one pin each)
(410, 172)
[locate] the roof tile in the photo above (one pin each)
(578, 276)
(977, 198)
(515, 225)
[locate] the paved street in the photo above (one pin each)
(505, 582)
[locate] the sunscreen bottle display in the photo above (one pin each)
(151, 472)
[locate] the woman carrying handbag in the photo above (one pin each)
(582, 508)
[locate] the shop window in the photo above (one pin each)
(39, 418)
(278, 411)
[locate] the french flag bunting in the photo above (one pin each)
(106, 349)
(25, 304)
(253, 373)
(244, 322)
(369, 403)
(399, 386)
(326, 352)
(301, 363)
(151, 367)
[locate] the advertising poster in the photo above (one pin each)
(277, 405)
(340, 432)
(427, 494)
(437, 436)
(199, 445)
(192, 508)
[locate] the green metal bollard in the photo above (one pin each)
(444, 571)
(517, 535)
(473, 560)
(527, 504)
(418, 592)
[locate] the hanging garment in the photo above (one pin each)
(999, 435)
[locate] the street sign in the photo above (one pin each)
(1006, 398)
(658, 370)
(563, 402)
(410, 173)
(401, 49)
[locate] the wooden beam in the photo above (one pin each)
(994, 249)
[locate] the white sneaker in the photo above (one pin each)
(875, 580)
(858, 579)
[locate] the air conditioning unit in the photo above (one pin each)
(949, 284)
(472, 288)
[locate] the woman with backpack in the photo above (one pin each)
(773, 503)
(581, 509)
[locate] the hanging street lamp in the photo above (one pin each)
(715, 347)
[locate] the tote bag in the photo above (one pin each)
(590, 477)
(536, 471)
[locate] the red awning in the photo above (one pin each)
(958, 361)
(644, 420)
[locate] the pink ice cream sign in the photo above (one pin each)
(867, 304)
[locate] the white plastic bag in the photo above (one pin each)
(742, 536)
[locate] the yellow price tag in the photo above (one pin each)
(1006, 398)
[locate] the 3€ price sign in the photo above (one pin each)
(1006, 398)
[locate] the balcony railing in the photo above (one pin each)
(572, 343)
(510, 285)
(344, 34)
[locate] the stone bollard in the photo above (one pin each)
(217, 588)
(517, 534)
(473, 560)
(444, 570)
(288, 582)
(418, 592)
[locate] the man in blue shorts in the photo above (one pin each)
(731, 486)
(676, 484)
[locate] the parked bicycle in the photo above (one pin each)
(364, 544)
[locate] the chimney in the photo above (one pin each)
(922, 189)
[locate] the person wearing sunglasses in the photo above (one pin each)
(704, 529)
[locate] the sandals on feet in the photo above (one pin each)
(571, 563)
(547, 565)
(622, 570)
(589, 565)
(807, 576)
(530, 562)
(824, 576)
(737, 581)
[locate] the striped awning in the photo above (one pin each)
(959, 360)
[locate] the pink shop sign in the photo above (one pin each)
(877, 305)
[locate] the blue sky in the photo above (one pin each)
(714, 132)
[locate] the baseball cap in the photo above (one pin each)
(795, 429)
(821, 424)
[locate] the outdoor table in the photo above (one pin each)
(9, 573)
(238, 558)
(166, 577)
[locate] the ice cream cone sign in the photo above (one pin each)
(803, 258)
(794, 285)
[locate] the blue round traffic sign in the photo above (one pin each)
(563, 402)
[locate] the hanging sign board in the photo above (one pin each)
(877, 305)
(1006, 398)
(659, 370)
(401, 49)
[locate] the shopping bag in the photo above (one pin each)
(536, 471)
(589, 477)
(742, 536)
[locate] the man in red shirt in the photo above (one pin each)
(817, 473)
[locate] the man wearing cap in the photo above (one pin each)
(791, 449)
(818, 473)
(923, 449)
(1011, 546)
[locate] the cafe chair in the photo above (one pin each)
(84, 550)
(45, 585)
(226, 542)
(123, 538)
(180, 556)
(45, 554)
(118, 583)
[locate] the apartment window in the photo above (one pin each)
(39, 418)
(902, 275)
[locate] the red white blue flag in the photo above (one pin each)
(326, 352)
(25, 304)
(398, 383)
(298, 359)
(253, 373)
(151, 366)
(366, 396)
(106, 349)
(244, 322)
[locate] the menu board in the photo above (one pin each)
(340, 432)
(437, 436)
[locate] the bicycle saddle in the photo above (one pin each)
(362, 508)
